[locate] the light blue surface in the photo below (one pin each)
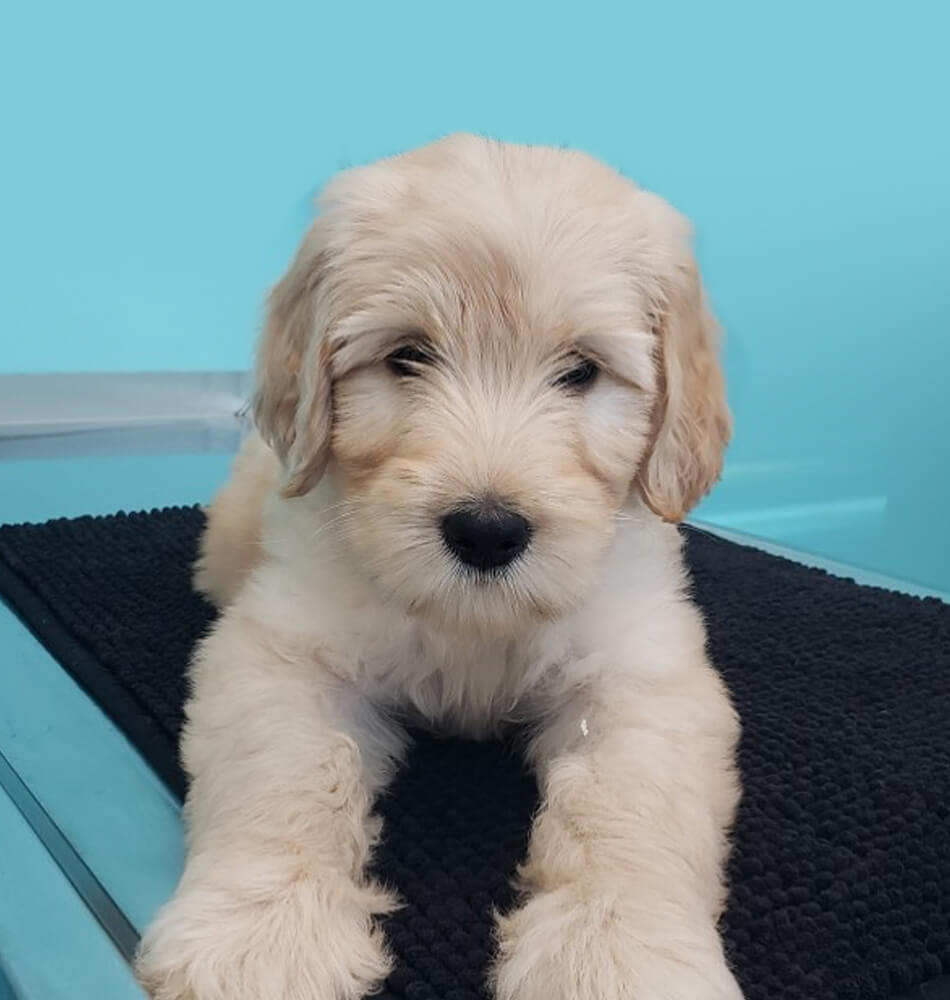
(40, 489)
(52, 949)
(96, 788)
(105, 799)
(160, 161)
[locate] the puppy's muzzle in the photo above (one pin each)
(487, 536)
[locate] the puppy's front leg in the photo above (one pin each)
(284, 760)
(624, 867)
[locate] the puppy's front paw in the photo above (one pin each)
(564, 945)
(312, 940)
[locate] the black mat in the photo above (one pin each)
(841, 873)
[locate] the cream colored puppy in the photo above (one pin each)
(488, 383)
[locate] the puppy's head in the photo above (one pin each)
(490, 347)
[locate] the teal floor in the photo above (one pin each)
(95, 787)
(97, 790)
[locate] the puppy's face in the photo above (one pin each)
(491, 346)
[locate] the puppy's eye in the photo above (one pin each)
(410, 359)
(582, 376)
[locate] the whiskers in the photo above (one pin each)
(341, 512)
(626, 517)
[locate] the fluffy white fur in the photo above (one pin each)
(343, 612)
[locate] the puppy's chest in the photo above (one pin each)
(465, 688)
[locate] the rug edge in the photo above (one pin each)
(144, 738)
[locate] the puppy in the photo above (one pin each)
(486, 391)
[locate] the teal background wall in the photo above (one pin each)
(158, 164)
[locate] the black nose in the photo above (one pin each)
(486, 538)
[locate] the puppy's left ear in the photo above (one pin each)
(692, 421)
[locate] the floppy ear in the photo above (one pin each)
(692, 422)
(292, 397)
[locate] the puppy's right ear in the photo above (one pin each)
(292, 397)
